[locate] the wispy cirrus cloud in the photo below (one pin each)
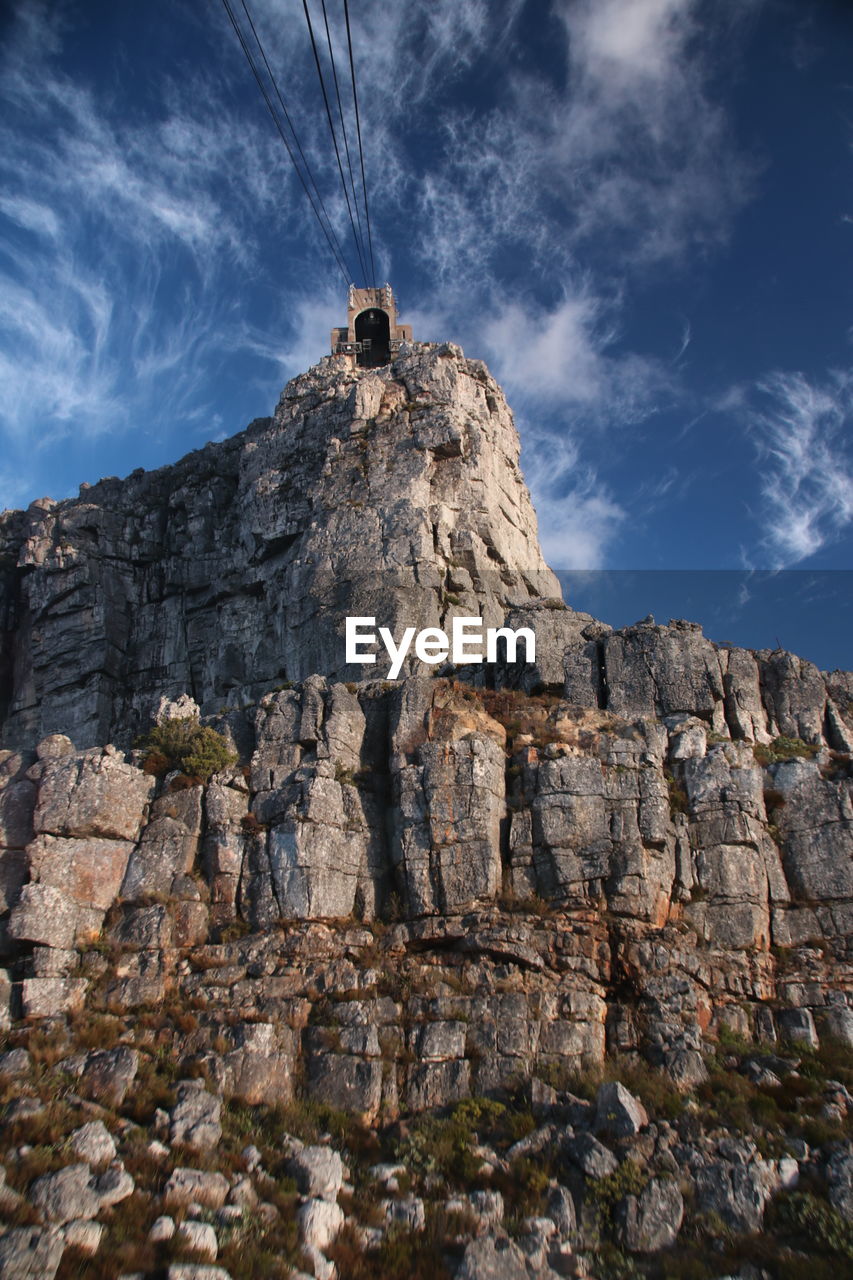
(579, 519)
(625, 139)
(624, 146)
(803, 435)
(118, 279)
(173, 237)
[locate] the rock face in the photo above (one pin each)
(393, 493)
(441, 806)
(614, 825)
(407, 895)
(666, 671)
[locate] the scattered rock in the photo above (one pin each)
(591, 1156)
(186, 1186)
(562, 1212)
(839, 1175)
(195, 1117)
(65, 1195)
(321, 1267)
(487, 1207)
(652, 1220)
(494, 1258)
(162, 1228)
(24, 1108)
(195, 1271)
(252, 1158)
(618, 1112)
(243, 1194)
(86, 1237)
(15, 1063)
(318, 1172)
(319, 1222)
(114, 1185)
(93, 1143)
(200, 1237)
(409, 1213)
(31, 1253)
(388, 1175)
(107, 1074)
(737, 1193)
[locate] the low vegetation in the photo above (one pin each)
(185, 744)
(782, 748)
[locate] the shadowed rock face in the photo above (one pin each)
(392, 493)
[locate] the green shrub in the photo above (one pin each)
(783, 748)
(616, 1264)
(814, 1221)
(436, 1145)
(185, 744)
(605, 1193)
(678, 801)
(443, 1144)
(525, 1187)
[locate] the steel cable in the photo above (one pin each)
(360, 147)
(344, 136)
(332, 128)
(328, 232)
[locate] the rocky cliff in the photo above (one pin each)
(411, 894)
(394, 493)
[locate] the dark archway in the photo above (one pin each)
(373, 327)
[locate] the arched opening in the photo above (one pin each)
(373, 328)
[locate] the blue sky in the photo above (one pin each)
(638, 212)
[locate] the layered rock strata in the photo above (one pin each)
(472, 884)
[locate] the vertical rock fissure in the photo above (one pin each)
(602, 693)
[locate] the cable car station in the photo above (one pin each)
(372, 336)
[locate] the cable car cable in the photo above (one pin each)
(290, 123)
(335, 251)
(331, 126)
(344, 135)
(360, 148)
(329, 231)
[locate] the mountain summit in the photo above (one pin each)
(391, 492)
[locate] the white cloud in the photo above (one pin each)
(621, 43)
(30, 215)
(90, 339)
(310, 321)
(553, 355)
(578, 518)
(627, 142)
(565, 357)
(803, 436)
(624, 141)
(578, 531)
